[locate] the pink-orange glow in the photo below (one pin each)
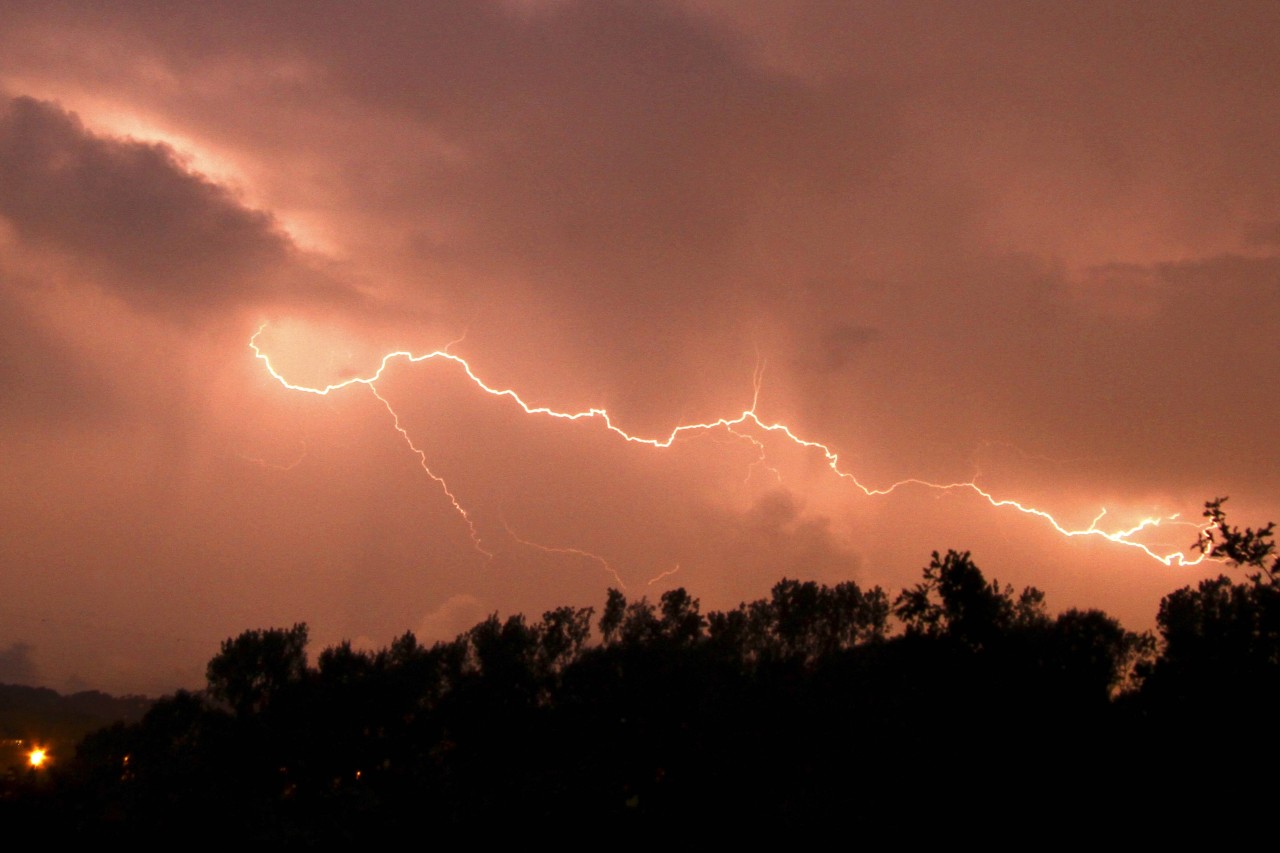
(747, 419)
(1009, 304)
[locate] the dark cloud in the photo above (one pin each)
(158, 235)
(841, 344)
(17, 666)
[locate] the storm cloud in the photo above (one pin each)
(1035, 246)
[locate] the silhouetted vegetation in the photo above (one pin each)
(32, 716)
(976, 711)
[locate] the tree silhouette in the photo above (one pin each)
(801, 622)
(1252, 548)
(682, 622)
(562, 635)
(955, 600)
(801, 708)
(615, 610)
(254, 667)
(1221, 639)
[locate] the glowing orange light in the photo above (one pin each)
(37, 757)
(748, 419)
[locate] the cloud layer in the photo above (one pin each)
(1038, 245)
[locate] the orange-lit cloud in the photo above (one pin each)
(1031, 248)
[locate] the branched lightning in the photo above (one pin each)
(422, 460)
(569, 552)
(737, 425)
(762, 461)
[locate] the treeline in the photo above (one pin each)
(30, 715)
(957, 706)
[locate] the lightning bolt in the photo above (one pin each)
(422, 461)
(668, 573)
(736, 425)
(757, 382)
(570, 552)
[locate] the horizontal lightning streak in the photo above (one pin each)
(748, 418)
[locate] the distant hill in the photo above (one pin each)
(40, 716)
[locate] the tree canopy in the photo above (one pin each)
(815, 704)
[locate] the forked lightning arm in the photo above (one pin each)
(748, 418)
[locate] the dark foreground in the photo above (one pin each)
(958, 709)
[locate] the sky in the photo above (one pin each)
(1034, 248)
